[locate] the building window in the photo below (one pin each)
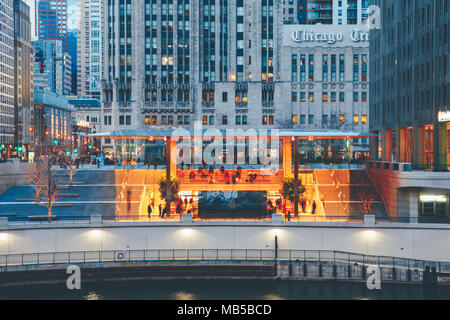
(224, 96)
(264, 120)
(364, 119)
(270, 120)
(164, 120)
(170, 120)
(238, 120)
(302, 119)
(333, 97)
(128, 120)
(147, 120)
(324, 96)
(244, 120)
(294, 96)
(341, 97)
(211, 120)
(205, 120)
(364, 96)
(224, 120)
(355, 119)
(341, 119)
(154, 120)
(311, 119)
(324, 120)
(311, 96)
(121, 120)
(355, 96)
(294, 119)
(179, 120)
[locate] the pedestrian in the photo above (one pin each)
(160, 210)
(149, 210)
(164, 214)
(314, 207)
(153, 203)
(222, 169)
(289, 215)
(182, 165)
(128, 201)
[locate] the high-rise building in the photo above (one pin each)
(410, 109)
(331, 11)
(90, 49)
(72, 50)
(7, 119)
(231, 64)
(23, 75)
(52, 20)
(52, 67)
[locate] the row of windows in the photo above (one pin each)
(356, 119)
(167, 120)
(332, 97)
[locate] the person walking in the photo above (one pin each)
(314, 206)
(160, 210)
(149, 211)
(128, 201)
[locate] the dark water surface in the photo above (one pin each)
(224, 290)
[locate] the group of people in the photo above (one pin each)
(230, 176)
(279, 206)
(185, 206)
(163, 212)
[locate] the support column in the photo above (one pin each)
(402, 145)
(440, 146)
(387, 145)
(414, 206)
(296, 177)
(173, 156)
(418, 145)
(287, 157)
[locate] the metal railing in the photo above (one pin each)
(149, 255)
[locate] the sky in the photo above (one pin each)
(73, 12)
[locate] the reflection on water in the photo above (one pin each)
(183, 296)
(272, 297)
(93, 296)
(224, 290)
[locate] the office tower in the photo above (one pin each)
(72, 50)
(332, 11)
(90, 49)
(7, 119)
(231, 64)
(411, 88)
(52, 67)
(23, 75)
(52, 20)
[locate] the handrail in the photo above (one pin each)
(153, 255)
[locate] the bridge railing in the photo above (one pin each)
(153, 255)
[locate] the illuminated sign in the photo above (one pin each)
(433, 198)
(444, 116)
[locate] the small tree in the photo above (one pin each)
(36, 178)
(48, 187)
(367, 199)
(69, 167)
(169, 193)
(288, 190)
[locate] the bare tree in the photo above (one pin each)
(49, 187)
(36, 178)
(367, 199)
(70, 167)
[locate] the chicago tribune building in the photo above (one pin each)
(231, 64)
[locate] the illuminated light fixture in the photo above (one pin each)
(276, 232)
(3, 236)
(433, 198)
(370, 233)
(95, 233)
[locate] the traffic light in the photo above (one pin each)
(55, 141)
(19, 148)
(90, 147)
(31, 129)
(75, 150)
(68, 152)
(1, 147)
(47, 132)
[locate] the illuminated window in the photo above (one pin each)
(341, 119)
(311, 96)
(205, 120)
(294, 119)
(154, 120)
(264, 120)
(325, 96)
(355, 119)
(364, 119)
(147, 120)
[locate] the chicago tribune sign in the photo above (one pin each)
(357, 35)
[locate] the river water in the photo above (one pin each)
(224, 290)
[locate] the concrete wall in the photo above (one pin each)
(12, 174)
(399, 188)
(407, 241)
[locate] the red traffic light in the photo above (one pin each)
(47, 132)
(31, 129)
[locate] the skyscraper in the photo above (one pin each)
(52, 20)
(90, 49)
(23, 74)
(7, 118)
(331, 11)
